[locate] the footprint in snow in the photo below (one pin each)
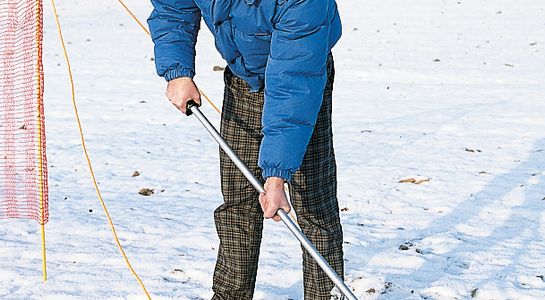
(178, 276)
(455, 267)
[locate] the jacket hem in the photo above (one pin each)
(179, 72)
(273, 172)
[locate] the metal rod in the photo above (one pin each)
(193, 109)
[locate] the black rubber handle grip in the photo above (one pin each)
(190, 104)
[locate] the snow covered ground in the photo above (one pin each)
(450, 91)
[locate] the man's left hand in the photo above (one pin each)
(274, 198)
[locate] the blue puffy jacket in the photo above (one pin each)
(278, 45)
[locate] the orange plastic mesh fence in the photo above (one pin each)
(23, 164)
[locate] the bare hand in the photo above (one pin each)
(181, 90)
(274, 198)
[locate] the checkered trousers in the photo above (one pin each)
(313, 194)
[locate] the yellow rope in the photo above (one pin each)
(42, 196)
(112, 227)
(134, 17)
(41, 170)
(210, 101)
(39, 99)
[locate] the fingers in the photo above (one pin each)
(197, 100)
(182, 104)
(263, 202)
(179, 100)
(180, 91)
(286, 208)
(276, 217)
(270, 211)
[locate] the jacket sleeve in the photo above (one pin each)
(174, 25)
(294, 84)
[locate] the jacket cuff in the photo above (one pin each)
(285, 174)
(179, 72)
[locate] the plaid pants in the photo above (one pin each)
(313, 194)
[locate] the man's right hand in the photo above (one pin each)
(181, 90)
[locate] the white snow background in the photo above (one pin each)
(450, 91)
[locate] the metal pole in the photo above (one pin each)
(193, 109)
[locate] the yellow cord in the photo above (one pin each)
(112, 227)
(39, 98)
(134, 17)
(41, 177)
(42, 196)
(210, 101)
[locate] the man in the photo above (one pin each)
(276, 116)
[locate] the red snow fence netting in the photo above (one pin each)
(23, 165)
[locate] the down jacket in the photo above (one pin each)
(280, 46)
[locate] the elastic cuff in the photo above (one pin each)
(179, 72)
(285, 174)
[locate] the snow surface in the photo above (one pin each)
(447, 91)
